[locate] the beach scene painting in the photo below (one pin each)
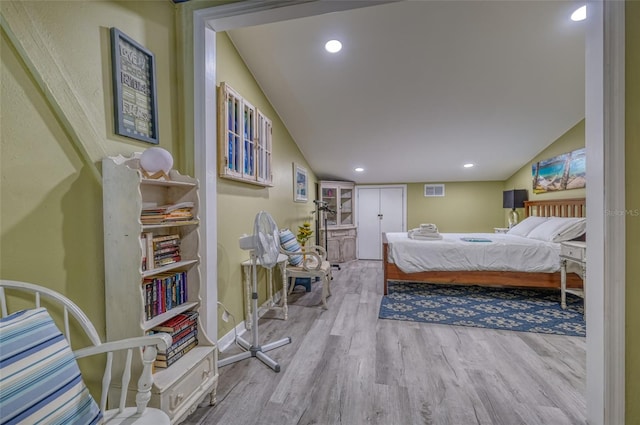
(562, 172)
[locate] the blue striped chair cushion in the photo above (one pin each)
(290, 244)
(39, 376)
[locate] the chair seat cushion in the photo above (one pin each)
(325, 267)
(39, 376)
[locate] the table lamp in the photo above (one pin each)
(514, 199)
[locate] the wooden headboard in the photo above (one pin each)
(556, 208)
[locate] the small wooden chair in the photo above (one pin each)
(31, 378)
(314, 264)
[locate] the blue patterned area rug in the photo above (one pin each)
(514, 309)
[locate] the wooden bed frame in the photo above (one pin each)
(551, 208)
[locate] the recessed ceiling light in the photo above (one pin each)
(333, 46)
(580, 14)
(359, 169)
(469, 165)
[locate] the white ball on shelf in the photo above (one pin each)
(156, 159)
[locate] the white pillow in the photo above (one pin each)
(527, 225)
(559, 229)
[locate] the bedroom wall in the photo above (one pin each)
(571, 140)
(466, 207)
(632, 194)
(238, 203)
(52, 141)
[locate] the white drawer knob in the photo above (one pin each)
(176, 400)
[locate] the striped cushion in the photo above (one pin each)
(39, 376)
(290, 244)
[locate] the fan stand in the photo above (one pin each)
(253, 348)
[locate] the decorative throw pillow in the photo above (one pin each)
(559, 229)
(526, 226)
(41, 381)
(290, 244)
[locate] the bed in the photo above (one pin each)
(542, 276)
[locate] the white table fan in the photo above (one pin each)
(264, 247)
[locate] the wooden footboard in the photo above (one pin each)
(485, 278)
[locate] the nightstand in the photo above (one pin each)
(575, 252)
(500, 229)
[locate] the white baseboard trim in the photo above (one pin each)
(227, 340)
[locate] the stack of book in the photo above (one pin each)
(154, 214)
(166, 250)
(163, 292)
(158, 251)
(183, 328)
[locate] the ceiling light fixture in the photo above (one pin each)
(359, 169)
(580, 14)
(469, 165)
(333, 46)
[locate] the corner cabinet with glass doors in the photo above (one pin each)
(340, 225)
(244, 139)
(152, 281)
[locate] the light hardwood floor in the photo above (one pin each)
(346, 366)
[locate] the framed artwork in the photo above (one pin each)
(134, 89)
(300, 184)
(562, 172)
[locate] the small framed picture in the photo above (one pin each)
(134, 89)
(300, 184)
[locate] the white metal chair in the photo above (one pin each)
(314, 264)
(140, 414)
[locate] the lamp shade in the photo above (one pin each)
(514, 198)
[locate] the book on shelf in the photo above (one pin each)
(166, 261)
(181, 336)
(179, 206)
(163, 292)
(143, 249)
(158, 251)
(158, 214)
(167, 250)
(163, 364)
(186, 346)
(171, 243)
(164, 238)
(173, 254)
(179, 215)
(146, 243)
(178, 322)
(179, 344)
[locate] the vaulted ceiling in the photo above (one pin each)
(422, 87)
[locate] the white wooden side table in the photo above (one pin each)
(574, 252)
(246, 274)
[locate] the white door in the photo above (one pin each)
(380, 209)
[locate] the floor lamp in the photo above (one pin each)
(322, 207)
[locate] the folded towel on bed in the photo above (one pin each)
(428, 228)
(425, 236)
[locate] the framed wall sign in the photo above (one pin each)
(300, 184)
(134, 89)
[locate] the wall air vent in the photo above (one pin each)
(433, 190)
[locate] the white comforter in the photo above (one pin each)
(504, 253)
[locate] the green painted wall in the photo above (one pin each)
(571, 140)
(632, 193)
(238, 203)
(52, 145)
(466, 207)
